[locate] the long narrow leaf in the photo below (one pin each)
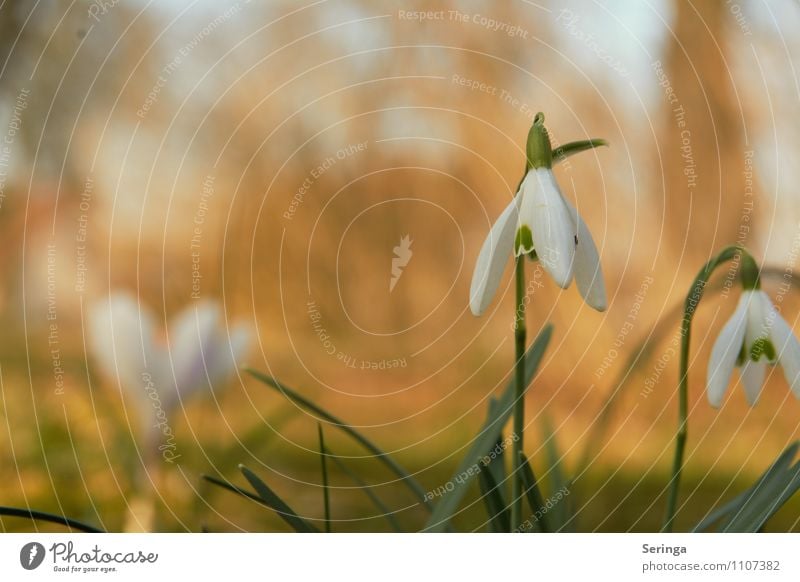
(234, 489)
(49, 517)
(277, 504)
(485, 439)
(248, 495)
(382, 456)
(499, 516)
(724, 514)
(755, 515)
(535, 499)
(497, 460)
(748, 511)
(382, 507)
(326, 498)
(768, 494)
(562, 518)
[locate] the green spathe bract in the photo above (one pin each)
(750, 275)
(538, 149)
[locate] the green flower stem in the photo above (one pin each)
(519, 397)
(689, 309)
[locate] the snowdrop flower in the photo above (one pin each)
(128, 347)
(540, 222)
(755, 335)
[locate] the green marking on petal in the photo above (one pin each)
(742, 357)
(762, 347)
(524, 239)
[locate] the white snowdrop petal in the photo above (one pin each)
(752, 376)
(724, 353)
(588, 272)
(757, 311)
(787, 349)
(554, 231)
(491, 263)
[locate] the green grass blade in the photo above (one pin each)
(248, 495)
(32, 514)
(749, 510)
(234, 489)
(777, 485)
(277, 504)
(326, 498)
(758, 513)
(382, 507)
(497, 460)
(535, 499)
(496, 509)
(382, 456)
(486, 438)
(562, 518)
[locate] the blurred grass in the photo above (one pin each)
(86, 470)
(73, 454)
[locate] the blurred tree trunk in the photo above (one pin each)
(703, 153)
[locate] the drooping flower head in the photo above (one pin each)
(541, 223)
(754, 337)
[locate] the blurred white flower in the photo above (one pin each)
(203, 353)
(755, 335)
(130, 349)
(540, 219)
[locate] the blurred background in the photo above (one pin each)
(271, 156)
